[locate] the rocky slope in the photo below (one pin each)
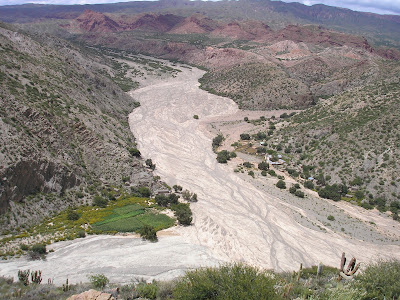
(64, 132)
(351, 138)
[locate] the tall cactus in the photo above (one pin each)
(351, 269)
(36, 277)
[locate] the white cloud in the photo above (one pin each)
(380, 7)
(64, 2)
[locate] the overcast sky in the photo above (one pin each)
(377, 6)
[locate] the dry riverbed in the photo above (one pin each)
(237, 217)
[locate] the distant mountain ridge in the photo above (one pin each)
(381, 29)
(90, 21)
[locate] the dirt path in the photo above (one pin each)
(233, 218)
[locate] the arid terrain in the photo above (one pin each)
(237, 218)
(263, 133)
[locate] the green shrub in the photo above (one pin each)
(39, 248)
(177, 188)
(299, 194)
(144, 191)
(332, 192)
(148, 232)
(223, 157)
(81, 234)
(366, 205)
(236, 281)
(150, 164)
(309, 185)
(380, 280)
(217, 141)
(147, 291)
(196, 117)
(99, 281)
(272, 173)
(245, 136)
(292, 190)
(134, 152)
(24, 247)
(331, 218)
(183, 213)
(99, 201)
(38, 251)
(247, 164)
(72, 215)
(264, 173)
(165, 201)
(263, 166)
(281, 184)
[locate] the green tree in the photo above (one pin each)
(309, 184)
(148, 232)
(183, 213)
(263, 166)
(281, 184)
(150, 164)
(217, 141)
(177, 188)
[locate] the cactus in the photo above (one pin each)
(23, 276)
(36, 277)
(300, 271)
(351, 269)
(65, 286)
(319, 269)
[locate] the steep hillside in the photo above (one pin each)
(64, 131)
(352, 138)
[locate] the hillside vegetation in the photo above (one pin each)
(64, 130)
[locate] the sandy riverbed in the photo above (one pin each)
(233, 218)
(237, 217)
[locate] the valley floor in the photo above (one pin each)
(236, 218)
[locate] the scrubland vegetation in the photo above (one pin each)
(231, 281)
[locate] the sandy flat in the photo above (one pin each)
(123, 259)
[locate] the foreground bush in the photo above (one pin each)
(380, 280)
(99, 281)
(235, 281)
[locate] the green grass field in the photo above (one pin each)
(131, 218)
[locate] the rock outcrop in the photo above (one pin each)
(92, 295)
